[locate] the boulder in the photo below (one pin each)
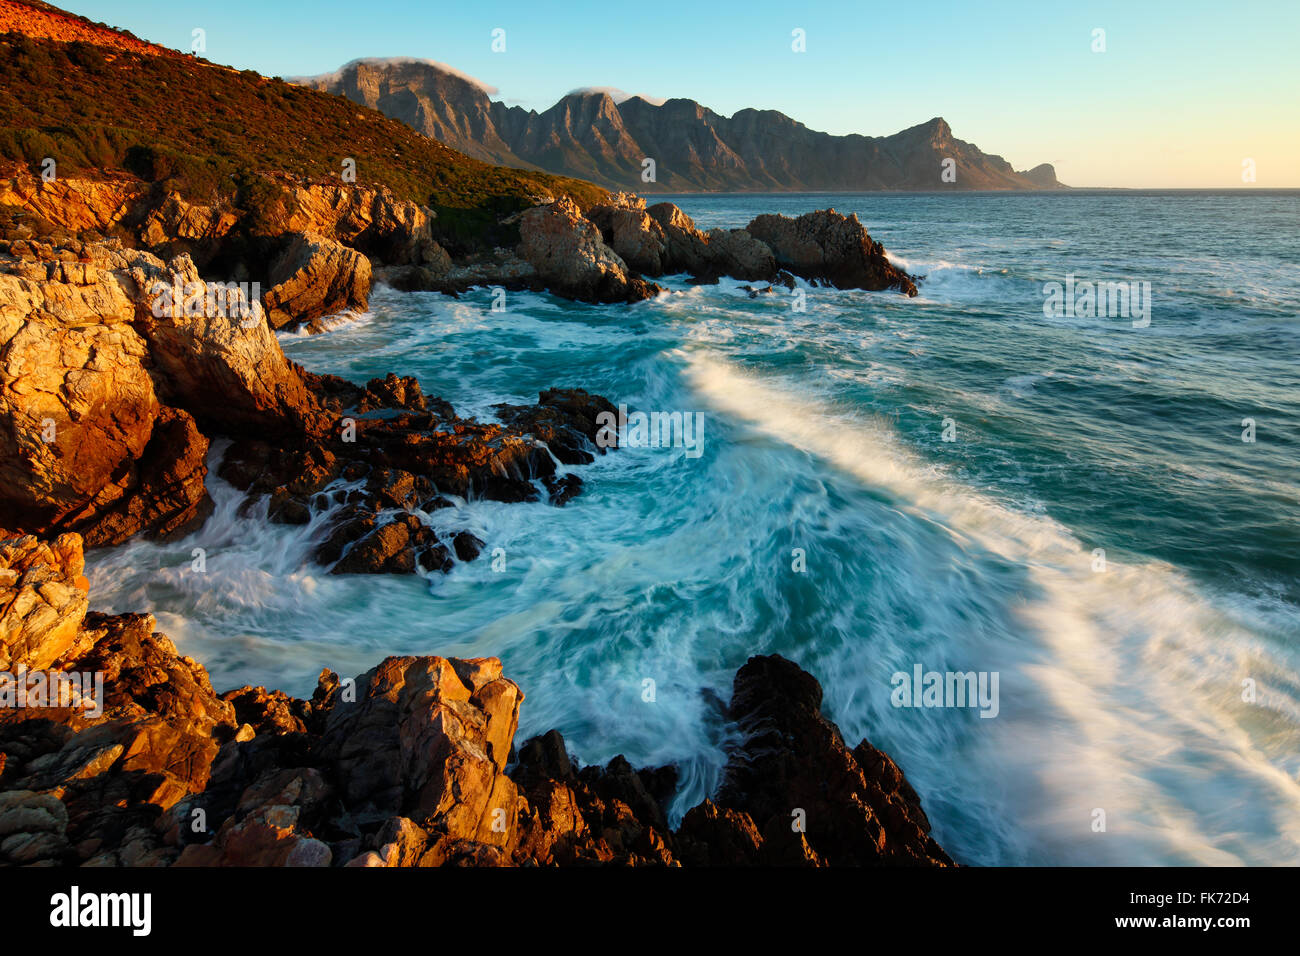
(313, 277)
(572, 259)
(217, 359)
(857, 807)
(77, 403)
(629, 230)
(826, 245)
(169, 497)
(736, 253)
(686, 249)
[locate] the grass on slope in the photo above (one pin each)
(203, 129)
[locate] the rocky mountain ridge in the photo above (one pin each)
(590, 135)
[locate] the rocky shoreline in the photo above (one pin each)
(413, 763)
(124, 360)
(317, 247)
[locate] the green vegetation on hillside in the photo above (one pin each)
(203, 129)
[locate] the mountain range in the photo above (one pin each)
(593, 135)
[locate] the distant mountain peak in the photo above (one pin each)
(387, 62)
(604, 135)
(614, 93)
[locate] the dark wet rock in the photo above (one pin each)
(566, 419)
(437, 558)
(286, 509)
(562, 488)
(268, 711)
(856, 806)
(389, 549)
(350, 524)
(827, 245)
(468, 546)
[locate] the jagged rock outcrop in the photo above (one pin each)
(827, 245)
(572, 259)
(686, 249)
(855, 806)
(821, 246)
(630, 231)
(412, 461)
(308, 245)
(315, 277)
(113, 360)
(42, 600)
(87, 442)
(410, 764)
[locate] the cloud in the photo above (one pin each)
(617, 95)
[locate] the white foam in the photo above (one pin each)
(1120, 689)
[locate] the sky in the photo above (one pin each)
(1183, 94)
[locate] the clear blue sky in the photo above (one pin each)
(1184, 92)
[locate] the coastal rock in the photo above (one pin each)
(74, 203)
(411, 461)
(177, 225)
(428, 739)
(215, 356)
(77, 404)
(371, 220)
(114, 364)
(315, 277)
(719, 252)
(827, 245)
(406, 765)
(685, 248)
(857, 809)
(42, 600)
(169, 496)
(736, 253)
(116, 767)
(629, 230)
(389, 549)
(572, 259)
(566, 420)
(121, 367)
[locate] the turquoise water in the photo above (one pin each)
(1120, 689)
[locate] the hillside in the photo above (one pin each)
(202, 130)
(43, 21)
(591, 135)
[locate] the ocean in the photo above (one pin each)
(1101, 510)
